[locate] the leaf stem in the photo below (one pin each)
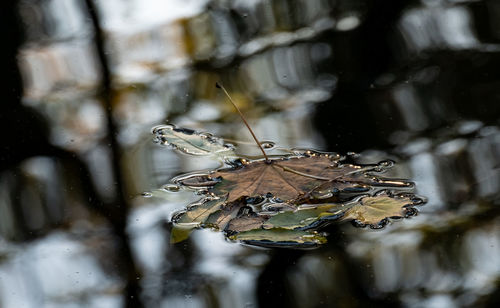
(303, 174)
(219, 86)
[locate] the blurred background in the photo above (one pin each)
(84, 221)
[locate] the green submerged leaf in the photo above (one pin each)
(303, 216)
(280, 237)
(375, 211)
(192, 142)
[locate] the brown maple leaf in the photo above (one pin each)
(293, 179)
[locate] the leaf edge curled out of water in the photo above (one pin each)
(204, 208)
(179, 234)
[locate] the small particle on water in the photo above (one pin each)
(147, 194)
(386, 163)
(156, 129)
(267, 144)
(245, 15)
(171, 187)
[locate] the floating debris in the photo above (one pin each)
(283, 200)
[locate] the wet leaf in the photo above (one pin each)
(193, 217)
(191, 142)
(180, 233)
(284, 201)
(375, 210)
(198, 213)
(280, 237)
(247, 222)
(292, 179)
(227, 212)
(304, 216)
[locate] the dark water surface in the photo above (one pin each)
(416, 82)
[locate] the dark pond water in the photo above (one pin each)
(85, 216)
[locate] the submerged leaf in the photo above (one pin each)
(191, 142)
(303, 216)
(375, 210)
(280, 237)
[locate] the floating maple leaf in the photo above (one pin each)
(305, 178)
(283, 201)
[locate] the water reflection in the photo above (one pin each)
(57, 270)
(438, 27)
(416, 84)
